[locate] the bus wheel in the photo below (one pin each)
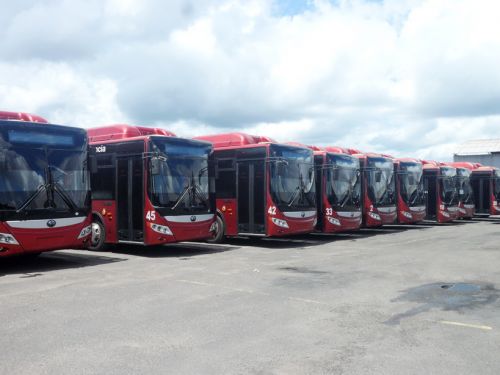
(219, 231)
(98, 237)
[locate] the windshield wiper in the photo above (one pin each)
(182, 196)
(294, 196)
(192, 188)
(65, 197)
(33, 196)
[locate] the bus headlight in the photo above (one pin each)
(445, 214)
(8, 239)
(374, 216)
(407, 215)
(163, 229)
(334, 220)
(85, 232)
(279, 222)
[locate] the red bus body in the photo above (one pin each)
(409, 190)
(485, 182)
(441, 192)
(258, 189)
(378, 195)
(144, 186)
(44, 186)
(338, 190)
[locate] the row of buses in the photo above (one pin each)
(64, 187)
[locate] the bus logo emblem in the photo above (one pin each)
(51, 223)
(193, 218)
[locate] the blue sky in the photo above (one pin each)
(405, 77)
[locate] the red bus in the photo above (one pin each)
(149, 187)
(378, 189)
(410, 193)
(263, 188)
(466, 205)
(485, 183)
(441, 192)
(44, 186)
(338, 187)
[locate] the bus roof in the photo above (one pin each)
(234, 139)
(21, 116)
(123, 131)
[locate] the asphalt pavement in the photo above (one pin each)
(420, 299)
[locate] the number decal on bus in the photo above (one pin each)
(100, 149)
(151, 216)
(329, 211)
(272, 210)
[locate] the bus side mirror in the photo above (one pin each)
(155, 167)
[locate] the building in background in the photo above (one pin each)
(484, 151)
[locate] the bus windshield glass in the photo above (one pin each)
(292, 177)
(464, 188)
(412, 184)
(179, 175)
(43, 168)
(381, 184)
(449, 193)
(343, 186)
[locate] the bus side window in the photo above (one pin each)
(225, 182)
(103, 178)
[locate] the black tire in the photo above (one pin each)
(98, 236)
(220, 229)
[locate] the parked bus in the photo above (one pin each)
(410, 194)
(485, 183)
(466, 205)
(378, 189)
(338, 187)
(263, 188)
(149, 187)
(441, 192)
(44, 186)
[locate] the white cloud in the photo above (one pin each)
(408, 77)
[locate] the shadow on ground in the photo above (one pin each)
(52, 261)
(178, 250)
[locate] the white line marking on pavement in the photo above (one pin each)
(477, 326)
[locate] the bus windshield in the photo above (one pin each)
(412, 184)
(464, 188)
(449, 193)
(381, 184)
(343, 186)
(179, 175)
(292, 177)
(43, 168)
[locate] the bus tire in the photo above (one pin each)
(219, 231)
(98, 236)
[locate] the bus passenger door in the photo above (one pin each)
(431, 194)
(130, 197)
(251, 197)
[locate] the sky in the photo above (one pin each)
(411, 78)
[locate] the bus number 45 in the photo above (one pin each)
(151, 216)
